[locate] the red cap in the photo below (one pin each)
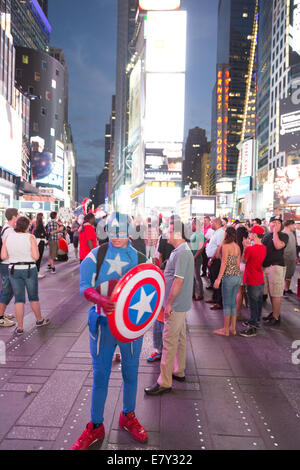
(258, 229)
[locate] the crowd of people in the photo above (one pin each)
(241, 262)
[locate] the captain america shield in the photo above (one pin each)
(139, 297)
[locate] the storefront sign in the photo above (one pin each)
(223, 81)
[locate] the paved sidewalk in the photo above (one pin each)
(240, 393)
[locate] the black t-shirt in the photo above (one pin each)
(274, 256)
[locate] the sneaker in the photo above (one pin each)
(273, 322)
(49, 267)
(43, 322)
(53, 271)
(117, 357)
(89, 436)
(19, 331)
(130, 423)
(9, 316)
(245, 323)
(41, 276)
(289, 291)
(268, 317)
(285, 293)
(6, 322)
(251, 331)
(154, 357)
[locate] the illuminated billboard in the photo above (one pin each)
(289, 130)
(55, 178)
(223, 83)
(135, 104)
(166, 41)
(11, 139)
(247, 158)
(203, 205)
(165, 95)
(287, 185)
(294, 33)
(159, 4)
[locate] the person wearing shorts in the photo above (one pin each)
(290, 254)
(53, 230)
(274, 268)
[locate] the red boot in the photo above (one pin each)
(131, 424)
(89, 436)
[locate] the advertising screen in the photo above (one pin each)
(56, 177)
(159, 4)
(11, 139)
(166, 41)
(135, 104)
(289, 138)
(294, 33)
(287, 185)
(201, 205)
(165, 95)
(162, 197)
(224, 187)
(247, 158)
(164, 158)
(244, 186)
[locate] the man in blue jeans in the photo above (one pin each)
(6, 294)
(254, 278)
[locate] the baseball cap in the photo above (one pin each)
(258, 229)
(275, 218)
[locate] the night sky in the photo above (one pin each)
(87, 31)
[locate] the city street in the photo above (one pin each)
(240, 393)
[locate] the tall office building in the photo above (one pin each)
(127, 10)
(196, 146)
(263, 88)
(235, 30)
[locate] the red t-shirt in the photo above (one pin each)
(88, 233)
(63, 245)
(255, 256)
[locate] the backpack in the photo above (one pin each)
(1, 241)
(101, 255)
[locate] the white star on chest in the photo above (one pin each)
(143, 305)
(116, 265)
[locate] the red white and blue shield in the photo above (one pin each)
(139, 297)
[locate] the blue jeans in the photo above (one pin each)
(20, 281)
(102, 347)
(6, 289)
(230, 287)
(255, 297)
(157, 335)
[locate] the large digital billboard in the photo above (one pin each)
(166, 41)
(135, 104)
(55, 177)
(11, 139)
(159, 4)
(289, 138)
(287, 185)
(247, 158)
(294, 33)
(165, 95)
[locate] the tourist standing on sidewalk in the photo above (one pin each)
(53, 230)
(87, 236)
(274, 268)
(230, 276)
(197, 246)
(241, 235)
(208, 233)
(119, 257)
(151, 237)
(74, 229)
(253, 257)
(290, 254)
(6, 294)
(21, 250)
(179, 276)
(40, 234)
(214, 263)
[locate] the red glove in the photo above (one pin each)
(93, 296)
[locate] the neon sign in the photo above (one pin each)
(223, 81)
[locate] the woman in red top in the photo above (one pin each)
(87, 237)
(254, 278)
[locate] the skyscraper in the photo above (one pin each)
(196, 146)
(235, 29)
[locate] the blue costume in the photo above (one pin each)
(117, 262)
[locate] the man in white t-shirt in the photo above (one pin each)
(6, 293)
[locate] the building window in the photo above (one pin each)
(25, 59)
(35, 127)
(56, 117)
(52, 132)
(19, 74)
(37, 77)
(31, 90)
(53, 83)
(43, 111)
(57, 72)
(48, 95)
(44, 65)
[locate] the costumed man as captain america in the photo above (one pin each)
(116, 259)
